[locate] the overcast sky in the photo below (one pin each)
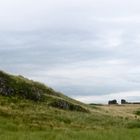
(87, 49)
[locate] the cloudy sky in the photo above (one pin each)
(87, 49)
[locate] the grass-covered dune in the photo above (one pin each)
(32, 111)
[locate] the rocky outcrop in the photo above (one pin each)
(62, 104)
(11, 86)
(5, 89)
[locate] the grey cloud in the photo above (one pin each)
(79, 47)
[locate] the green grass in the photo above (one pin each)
(112, 134)
(38, 115)
(137, 112)
(28, 120)
(23, 118)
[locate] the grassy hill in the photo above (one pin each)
(32, 111)
(22, 88)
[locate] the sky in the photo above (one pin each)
(87, 49)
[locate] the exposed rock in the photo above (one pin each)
(4, 89)
(67, 106)
(11, 87)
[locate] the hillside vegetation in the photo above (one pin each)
(32, 111)
(22, 88)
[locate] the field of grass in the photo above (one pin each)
(58, 117)
(113, 134)
(29, 120)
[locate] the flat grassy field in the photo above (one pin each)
(29, 120)
(111, 134)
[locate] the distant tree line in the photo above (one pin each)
(112, 102)
(123, 101)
